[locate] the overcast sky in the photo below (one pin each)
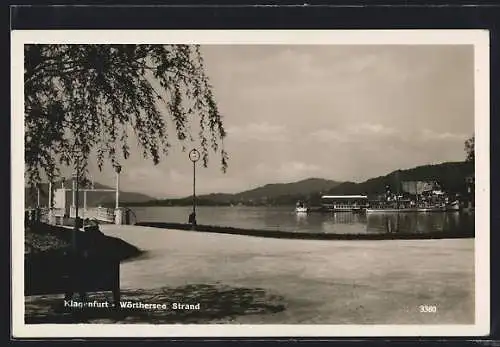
(329, 111)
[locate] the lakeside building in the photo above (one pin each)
(470, 184)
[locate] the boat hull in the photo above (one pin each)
(343, 209)
(352, 210)
(453, 207)
(406, 210)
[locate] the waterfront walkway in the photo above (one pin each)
(242, 279)
(337, 282)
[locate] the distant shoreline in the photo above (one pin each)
(451, 176)
(202, 205)
(307, 236)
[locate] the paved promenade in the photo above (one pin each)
(351, 282)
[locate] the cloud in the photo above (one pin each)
(371, 129)
(176, 177)
(353, 133)
(145, 178)
(298, 167)
(283, 64)
(362, 63)
(347, 112)
(146, 173)
(300, 63)
(287, 171)
(328, 135)
(262, 131)
(431, 135)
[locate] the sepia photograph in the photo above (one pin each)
(225, 183)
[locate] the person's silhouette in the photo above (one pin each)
(192, 218)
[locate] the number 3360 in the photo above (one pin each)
(427, 308)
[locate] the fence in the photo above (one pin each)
(102, 214)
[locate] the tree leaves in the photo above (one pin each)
(469, 149)
(84, 98)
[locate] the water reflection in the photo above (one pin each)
(285, 219)
(419, 222)
(398, 223)
(344, 223)
(301, 218)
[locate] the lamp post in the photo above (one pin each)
(194, 156)
(118, 219)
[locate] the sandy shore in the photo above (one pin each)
(242, 279)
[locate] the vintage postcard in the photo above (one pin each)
(250, 183)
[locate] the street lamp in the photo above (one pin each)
(118, 219)
(194, 156)
(118, 169)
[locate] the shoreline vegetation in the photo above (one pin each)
(43, 239)
(48, 251)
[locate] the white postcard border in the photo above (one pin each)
(478, 38)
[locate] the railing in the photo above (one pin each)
(99, 213)
(103, 214)
(33, 215)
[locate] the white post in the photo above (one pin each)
(117, 193)
(84, 203)
(73, 189)
(38, 196)
(50, 195)
(51, 211)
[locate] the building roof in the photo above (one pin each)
(344, 197)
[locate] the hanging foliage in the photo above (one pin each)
(85, 98)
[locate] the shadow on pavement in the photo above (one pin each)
(217, 304)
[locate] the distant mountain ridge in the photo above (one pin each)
(273, 193)
(269, 194)
(450, 175)
(304, 187)
(93, 198)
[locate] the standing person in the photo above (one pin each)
(192, 219)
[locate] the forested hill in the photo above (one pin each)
(451, 176)
(269, 194)
(304, 187)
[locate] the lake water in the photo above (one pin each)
(285, 219)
